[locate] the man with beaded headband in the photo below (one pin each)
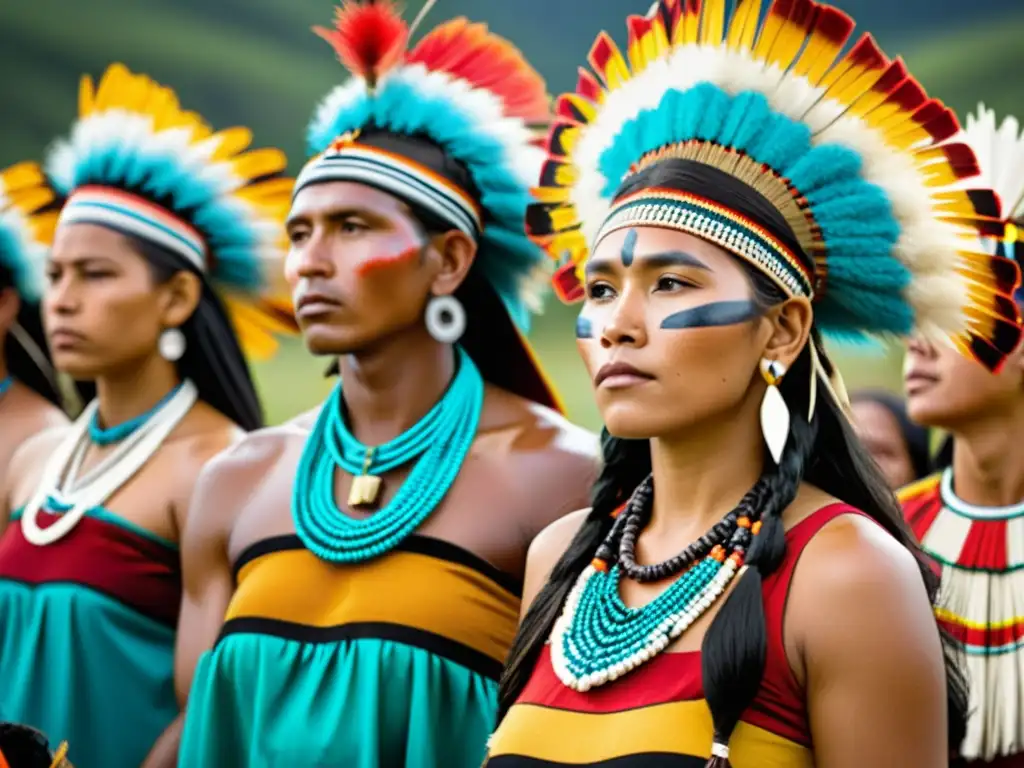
(376, 545)
(158, 215)
(744, 590)
(970, 516)
(30, 399)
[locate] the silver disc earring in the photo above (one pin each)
(445, 319)
(171, 344)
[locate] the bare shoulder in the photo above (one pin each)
(854, 588)
(560, 459)
(546, 550)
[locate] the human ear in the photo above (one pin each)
(456, 252)
(790, 329)
(179, 297)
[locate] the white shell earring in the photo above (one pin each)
(774, 411)
(171, 344)
(445, 319)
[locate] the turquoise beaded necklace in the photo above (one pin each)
(598, 638)
(108, 436)
(438, 443)
(5, 384)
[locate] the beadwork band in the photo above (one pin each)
(688, 212)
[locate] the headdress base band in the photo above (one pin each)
(397, 175)
(135, 215)
(690, 213)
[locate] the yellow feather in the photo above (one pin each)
(260, 162)
(584, 107)
(269, 192)
(566, 175)
(743, 27)
(563, 219)
(857, 82)
(689, 28)
(769, 32)
(817, 58)
(86, 96)
(566, 242)
(616, 71)
(31, 199)
(906, 135)
(44, 226)
(550, 194)
(24, 175)
(713, 22)
(660, 38)
(787, 45)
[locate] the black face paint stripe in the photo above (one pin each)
(713, 314)
(629, 248)
(584, 328)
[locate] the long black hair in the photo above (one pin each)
(823, 452)
(32, 367)
(213, 357)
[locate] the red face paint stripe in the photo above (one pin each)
(383, 262)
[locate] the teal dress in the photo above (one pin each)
(87, 648)
(391, 662)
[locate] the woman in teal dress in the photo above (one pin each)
(156, 210)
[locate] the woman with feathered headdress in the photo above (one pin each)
(154, 282)
(744, 590)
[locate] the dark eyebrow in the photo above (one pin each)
(672, 259)
(332, 214)
(659, 260)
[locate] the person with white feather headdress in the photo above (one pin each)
(970, 516)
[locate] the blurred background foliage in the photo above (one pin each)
(255, 62)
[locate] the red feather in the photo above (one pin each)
(369, 37)
(473, 54)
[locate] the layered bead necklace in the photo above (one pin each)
(438, 443)
(74, 496)
(598, 638)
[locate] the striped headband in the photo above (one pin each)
(716, 223)
(135, 215)
(398, 175)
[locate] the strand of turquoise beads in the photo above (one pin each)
(598, 638)
(104, 436)
(438, 443)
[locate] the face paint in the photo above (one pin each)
(384, 262)
(713, 314)
(584, 328)
(628, 248)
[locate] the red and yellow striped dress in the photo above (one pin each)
(656, 716)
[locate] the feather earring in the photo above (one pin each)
(774, 411)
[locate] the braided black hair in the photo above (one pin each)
(822, 451)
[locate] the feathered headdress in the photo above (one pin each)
(849, 149)
(464, 90)
(136, 161)
(26, 229)
(1000, 152)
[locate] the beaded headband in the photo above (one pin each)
(848, 148)
(711, 221)
(137, 162)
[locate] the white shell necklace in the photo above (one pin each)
(60, 477)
